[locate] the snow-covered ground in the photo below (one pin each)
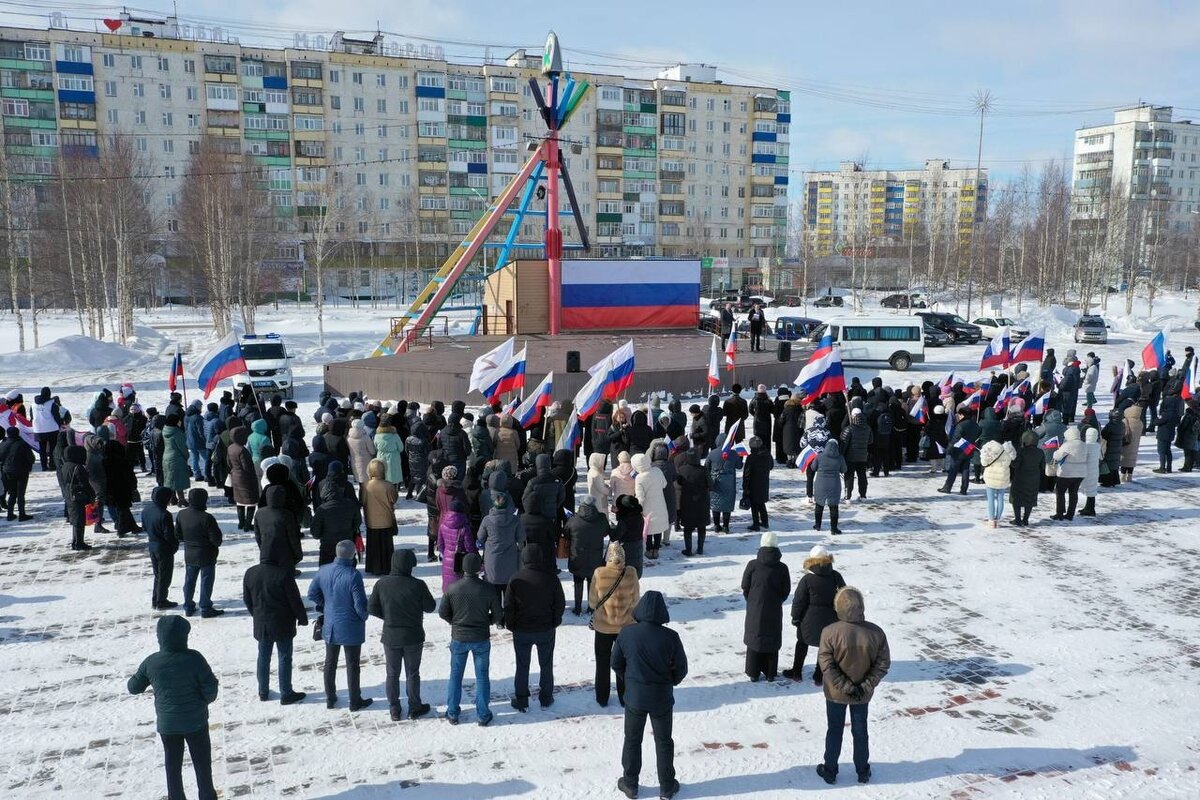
(1058, 661)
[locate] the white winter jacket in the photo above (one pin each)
(996, 459)
(1071, 458)
(648, 487)
(1091, 446)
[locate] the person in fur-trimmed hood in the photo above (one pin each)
(812, 608)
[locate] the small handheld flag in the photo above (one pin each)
(176, 369)
(1154, 354)
(1051, 444)
(965, 447)
(507, 378)
(571, 435)
(920, 410)
(731, 349)
(727, 445)
(807, 457)
(530, 411)
(1039, 406)
(823, 374)
(741, 448)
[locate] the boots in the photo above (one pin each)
(716, 520)
(1089, 508)
(700, 542)
(794, 673)
(833, 521)
(725, 521)
(819, 512)
(687, 542)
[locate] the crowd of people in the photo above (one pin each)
(505, 512)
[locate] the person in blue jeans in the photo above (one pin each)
(272, 597)
(471, 607)
(854, 657)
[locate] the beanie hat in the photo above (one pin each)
(472, 563)
(856, 412)
(939, 410)
(768, 539)
(819, 551)
(450, 472)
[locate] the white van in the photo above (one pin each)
(898, 342)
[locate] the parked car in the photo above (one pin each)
(958, 329)
(992, 325)
(741, 302)
(935, 338)
(712, 324)
(793, 328)
(914, 300)
(1091, 328)
(829, 301)
(786, 301)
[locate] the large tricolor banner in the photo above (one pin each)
(624, 295)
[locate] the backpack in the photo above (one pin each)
(883, 423)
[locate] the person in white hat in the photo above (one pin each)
(812, 608)
(766, 583)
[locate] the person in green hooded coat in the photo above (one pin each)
(175, 459)
(184, 687)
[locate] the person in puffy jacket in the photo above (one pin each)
(1028, 470)
(471, 607)
(454, 540)
(1188, 435)
(201, 537)
(756, 483)
(197, 445)
(259, 438)
(812, 608)
(854, 658)
(589, 531)
(1070, 461)
(766, 583)
(184, 687)
(77, 493)
(175, 459)
(162, 545)
(1170, 414)
(389, 449)
(996, 460)
(379, 513)
(648, 488)
(1091, 481)
(533, 609)
(1112, 436)
(416, 447)
(692, 480)
(652, 661)
(362, 450)
(543, 494)
(629, 531)
(827, 474)
(856, 440)
(401, 601)
(660, 458)
(621, 480)
(501, 538)
(597, 483)
(722, 495)
(272, 597)
(1091, 378)
(613, 593)
(339, 595)
(1134, 428)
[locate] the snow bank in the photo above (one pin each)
(75, 353)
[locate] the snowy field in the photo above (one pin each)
(1054, 662)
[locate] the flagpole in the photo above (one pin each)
(182, 378)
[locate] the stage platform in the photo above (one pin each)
(672, 362)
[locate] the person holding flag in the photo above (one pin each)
(966, 432)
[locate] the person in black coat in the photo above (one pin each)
(1169, 416)
(1026, 471)
(77, 493)
(782, 395)
(736, 410)
(1113, 436)
(271, 596)
(713, 414)
(766, 583)
(756, 483)
(856, 440)
(639, 434)
(589, 531)
(541, 531)
(533, 608)
(401, 601)
(277, 522)
(163, 544)
(761, 410)
(693, 501)
(966, 429)
(628, 530)
(812, 608)
(650, 659)
(201, 537)
(16, 462)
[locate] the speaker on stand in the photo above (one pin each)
(573, 361)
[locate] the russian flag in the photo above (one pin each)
(672, 447)
(1002, 400)
(965, 447)
(512, 406)
(506, 379)
(592, 394)
(727, 445)
(1119, 377)
(823, 373)
(1191, 382)
(807, 457)
(1154, 355)
(920, 410)
(741, 448)
(714, 370)
(1038, 409)
(619, 372)
(223, 360)
(176, 369)
(946, 381)
(1051, 444)
(731, 349)
(1032, 349)
(571, 435)
(529, 412)
(630, 295)
(996, 353)
(974, 402)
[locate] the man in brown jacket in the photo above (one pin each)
(854, 657)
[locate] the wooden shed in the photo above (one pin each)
(516, 300)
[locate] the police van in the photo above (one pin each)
(897, 342)
(268, 365)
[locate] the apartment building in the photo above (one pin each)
(680, 164)
(1140, 173)
(855, 208)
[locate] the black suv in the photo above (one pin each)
(958, 329)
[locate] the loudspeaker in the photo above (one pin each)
(573, 361)
(785, 351)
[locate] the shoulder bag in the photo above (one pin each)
(604, 599)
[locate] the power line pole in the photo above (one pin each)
(982, 103)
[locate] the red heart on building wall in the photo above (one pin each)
(113, 24)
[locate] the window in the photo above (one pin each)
(77, 111)
(252, 95)
(897, 333)
(252, 69)
(434, 80)
(310, 149)
(169, 172)
(277, 97)
(381, 131)
(16, 108)
(76, 83)
(403, 109)
(164, 91)
(335, 102)
(193, 120)
(168, 119)
(501, 84)
(309, 123)
(307, 97)
(189, 66)
(37, 52)
(356, 77)
(380, 79)
(140, 144)
(307, 70)
(436, 129)
(360, 104)
(139, 117)
(164, 64)
(429, 104)
(139, 90)
(674, 124)
(192, 93)
(402, 81)
(110, 88)
(381, 105)
(168, 146)
(173, 225)
(383, 179)
(610, 93)
(108, 60)
(360, 129)
(112, 116)
(226, 65)
(194, 146)
(255, 122)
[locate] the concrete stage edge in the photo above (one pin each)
(672, 362)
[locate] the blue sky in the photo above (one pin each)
(906, 71)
